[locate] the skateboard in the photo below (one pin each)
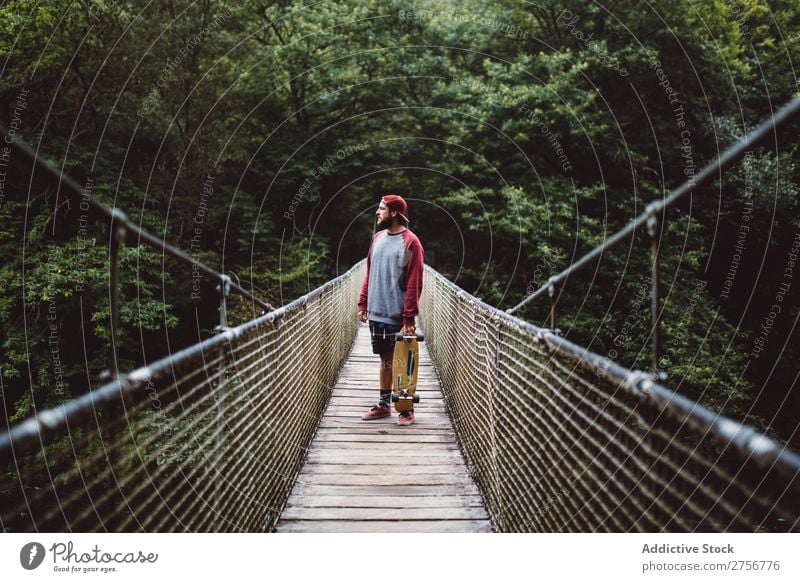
(405, 362)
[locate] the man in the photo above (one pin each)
(390, 293)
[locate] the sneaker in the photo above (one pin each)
(377, 411)
(406, 418)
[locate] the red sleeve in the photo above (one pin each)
(414, 270)
(362, 299)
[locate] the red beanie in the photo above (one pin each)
(395, 202)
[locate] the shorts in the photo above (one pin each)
(382, 336)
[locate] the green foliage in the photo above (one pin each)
(519, 143)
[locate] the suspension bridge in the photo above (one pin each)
(519, 430)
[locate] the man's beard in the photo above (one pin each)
(386, 222)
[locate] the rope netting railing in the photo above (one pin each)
(561, 439)
(209, 439)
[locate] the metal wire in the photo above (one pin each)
(127, 230)
(558, 438)
(149, 453)
(657, 208)
(562, 439)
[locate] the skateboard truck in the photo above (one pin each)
(420, 337)
(403, 395)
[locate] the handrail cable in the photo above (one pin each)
(209, 438)
(559, 438)
(25, 435)
(563, 439)
(730, 156)
(132, 233)
(655, 213)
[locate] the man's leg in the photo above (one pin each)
(385, 348)
(383, 408)
(386, 376)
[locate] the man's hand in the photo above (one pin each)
(409, 330)
(362, 316)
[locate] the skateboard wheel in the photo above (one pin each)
(399, 397)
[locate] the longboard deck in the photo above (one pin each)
(405, 365)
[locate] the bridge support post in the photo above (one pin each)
(653, 231)
(117, 233)
(117, 230)
(551, 291)
(223, 288)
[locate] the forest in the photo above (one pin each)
(260, 135)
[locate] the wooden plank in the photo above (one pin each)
(377, 427)
(370, 382)
(308, 491)
(354, 414)
(403, 434)
(422, 421)
(388, 501)
(333, 526)
(363, 404)
(379, 462)
(369, 398)
(384, 428)
(366, 380)
(375, 446)
(355, 410)
(423, 417)
(369, 370)
(360, 408)
(404, 469)
(383, 513)
(336, 437)
(384, 458)
(398, 481)
(377, 476)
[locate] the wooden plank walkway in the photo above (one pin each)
(379, 477)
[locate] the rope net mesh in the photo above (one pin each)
(207, 440)
(558, 445)
(212, 438)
